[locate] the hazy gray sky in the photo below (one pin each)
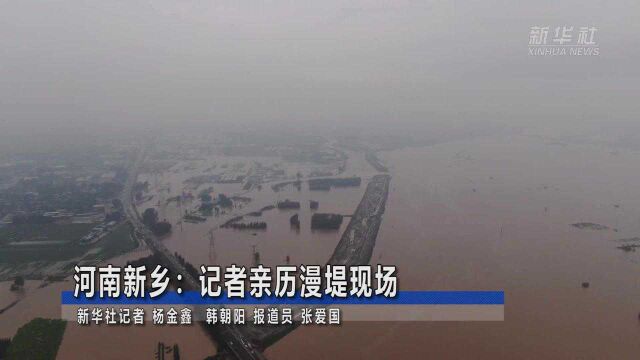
(114, 64)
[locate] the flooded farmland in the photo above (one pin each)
(484, 214)
(496, 214)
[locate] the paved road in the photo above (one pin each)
(236, 344)
(354, 248)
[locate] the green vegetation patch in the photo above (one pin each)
(37, 340)
(43, 232)
(42, 242)
(119, 241)
(19, 255)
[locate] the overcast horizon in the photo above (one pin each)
(122, 66)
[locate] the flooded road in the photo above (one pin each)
(229, 246)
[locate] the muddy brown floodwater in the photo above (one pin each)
(487, 214)
(193, 242)
(443, 235)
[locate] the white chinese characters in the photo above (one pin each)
(305, 281)
(563, 40)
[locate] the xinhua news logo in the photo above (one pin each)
(563, 41)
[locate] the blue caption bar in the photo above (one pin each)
(403, 298)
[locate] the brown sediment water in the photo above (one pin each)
(191, 241)
(513, 233)
(133, 342)
(444, 236)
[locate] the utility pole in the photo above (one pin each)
(212, 249)
(256, 256)
(160, 351)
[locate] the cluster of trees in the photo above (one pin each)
(326, 221)
(231, 221)
(195, 273)
(18, 283)
(224, 201)
(207, 208)
(193, 218)
(288, 204)
(295, 221)
(114, 216)
(149, 261)
(38, 339)
(206, 198)
(150, 219)
(256, 225)
(279, 186)
(205, 194)
(328, 183)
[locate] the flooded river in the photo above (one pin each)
(512, 232)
